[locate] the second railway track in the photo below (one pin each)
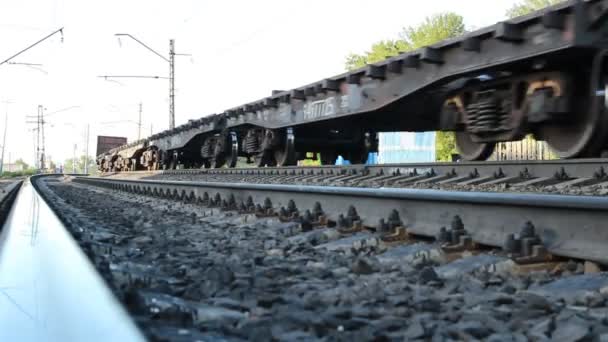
(577, 177)
(566, 225)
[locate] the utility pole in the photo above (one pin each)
(43, 154)
(139, 123)
(74, 159)
(171, 83)
(38, 166)
(40, 149)
(4, 140)
(4, 137)
(171, 61)
(86, 152)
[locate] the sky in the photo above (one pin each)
(237, 51)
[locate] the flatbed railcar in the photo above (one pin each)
(544, 74)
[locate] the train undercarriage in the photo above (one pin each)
(543, 75)
(567, 109)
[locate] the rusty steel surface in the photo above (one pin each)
(105, 143)
(570, 226)
(50, 290)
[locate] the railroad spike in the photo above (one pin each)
(217, 200)
(527, 247)
(317, 210)
(456, 239)
(382, 227)
(267, 203)
(306, 221)
(394, 220)
(600, 174)
(250, 205)
(283, 215)
(291, 207)
(232, 201)
(561, 174)
(352, 213)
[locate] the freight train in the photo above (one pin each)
(544, 74)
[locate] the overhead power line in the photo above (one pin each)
(36, 43)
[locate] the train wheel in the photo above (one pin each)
(581, 139)
(470, 150)
(217, 161)
(285, 154)
(587, 136)
(233, 149)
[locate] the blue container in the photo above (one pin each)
(406, 147)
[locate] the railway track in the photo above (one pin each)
(336, 194)
(48, 289)
(295, 262)
(280, 266)
(577, 177)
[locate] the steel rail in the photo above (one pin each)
(570, 226)
(582, 172)
(49, 290)
(578, 167)
(6, 203)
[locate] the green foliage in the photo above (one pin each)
(432, 30)
(14, 174)
(445, 146)
(308, 161)
(80, 163)
(379, 51)
(23, 164)
(528, 6)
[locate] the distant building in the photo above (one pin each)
(406, 147)
(12, 167)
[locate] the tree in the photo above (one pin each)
(80, 163)
(445, 146)
(432, 30)
(23, 164)
(528, 6)
(378, 52)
